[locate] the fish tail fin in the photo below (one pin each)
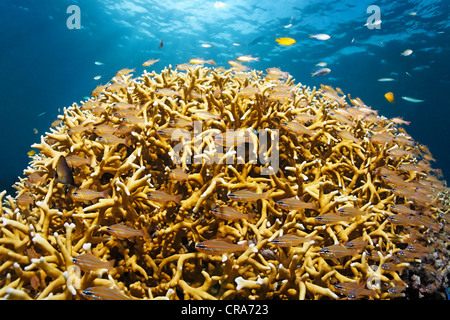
(313, 74)
(146, 235)
(211, 61)
(106, 192)
(127, 140)
(251, 216)
(177, 199)
(110, 264)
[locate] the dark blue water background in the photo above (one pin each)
(45, 66)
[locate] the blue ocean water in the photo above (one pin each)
(46, 66)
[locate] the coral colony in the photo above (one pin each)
(206, 183)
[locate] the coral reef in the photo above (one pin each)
(224, 184)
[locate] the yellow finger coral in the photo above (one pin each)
(186, 183)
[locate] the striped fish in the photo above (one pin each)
(90, 262)
(351, 211)
(122, 231)
(89, 194)
(403, 219)
(180, 123)
(248, 196)
(125, 113)
(205, 115)
(178, 174)
(103, 129)
(229, 213)
(381, 138)
(297, 128)
(230, 138)
(123, 105)
(220, 246)
(78, 129)
(130, 119)
(161, 196)
(290, 240)
(295, 204)
(358, 244)
(24, 199)
(76, 161)
(123, 129)
(110, 139)
(330, 218)
(103, 293)
(336, 251)
(401, 208)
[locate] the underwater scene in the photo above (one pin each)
(224, 150)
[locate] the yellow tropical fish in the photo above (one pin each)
(285, 41)
(124, 71)
(88, 194)
(389, 97)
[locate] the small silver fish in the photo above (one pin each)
(321, 72)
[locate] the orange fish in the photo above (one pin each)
(103, 293)
(90, 262)
(289, 240)
(389, 97)
(161, 196)
(88, 194)
(122, 231)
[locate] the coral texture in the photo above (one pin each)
(222, 184)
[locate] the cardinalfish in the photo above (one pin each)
(358, 244)
(290, 240)
(103, 293)
(205, 115)
(202, 61)
(248, 195)
(35, 178)
(24, 199)
(79, 129)
(336, 251)
(404, 219)
(122, 231)
(230, 213)
(237, 66)
(220, 246)
(132, 119)
(248, 91)
(401, 208)
(321, 72)
(381, 138)
(297, 128)
(163, 197)
(230, 138)
(63, 173)
(126, 112)
(168, 92)
(331, 218)
(123, 105)
(112, 140)
(178, 174)
(353, 290)
(90, 262)
(150, 62)
(124, 71)
(280, 96)
(351, 211)
(173, 133)
(103, 129)
(77, 161)
(89, 194)
(295, 204)
(181, 123)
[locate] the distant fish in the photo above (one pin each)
(321, 64)
(207, 45)
(124, 71)
(150, 62)
(288, 25)
(285, 41)
(407, 52)
(201, 61)
(389, 97)
(412, 99)
(99, 63)
(35, 131)
(247, 58)
(236, 44)
(321, 72)
(386, 79)
(31, 153)
(41, 114)
(230, 213)
(320, 36)
(63, 172)
(97, 77)
(161, 44)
